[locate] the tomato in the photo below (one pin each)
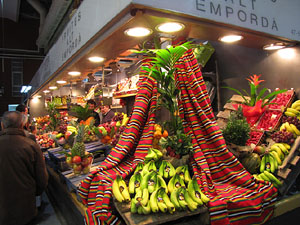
(76, 159)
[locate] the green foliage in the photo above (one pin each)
(53, 114)
(82, 113)
(237, 130)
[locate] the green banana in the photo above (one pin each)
(145, 197)
(192, 205)
(192, 192)
(152, 182)
(146, 209)
(151, 155)
(133, 207)
(268, 164)
(131, 184)
(171, 184)
(158, 153)
(272, 163)
(262, 164)
(174, 199)
(187, 176)
(145, 180)
(183, 204)
(153, 201)
(145, 170)
(272, 178)
(116, 190)
(162, 168)
(264, 177)
(199, 193)
(160, 202)
(165, 197)
(162, 183)
(139, 168)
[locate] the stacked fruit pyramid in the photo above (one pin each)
(156, 186)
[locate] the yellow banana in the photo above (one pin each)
(187, 176)
(171, 184)
(158, 153)
(145, 197)
(264, 177)
(295, 111)
(150, 155)
(162, 183)
(183, 204)
(199, 193)
(276, 148)
(287, 146)
(131, 184)
(282, 127)
(288, 127)
(124, 190)
(146, 209)
(282, 148)
(289, 114)
(295, 105)
(295, 129)
(116, 191)
(272, 163)
(276, 157)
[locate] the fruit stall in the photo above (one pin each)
(170, 153)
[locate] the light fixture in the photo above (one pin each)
(138, 32)
(61, 81)
(25, 88)
(170, 27)
(274, 46)
(37, 96)
(52, 87)
(46, 91)
(74, 73)
(96, 59)
(231, 38)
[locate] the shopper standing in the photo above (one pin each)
(92, 105)
(24, 110)
(107, 114)
(23, 173)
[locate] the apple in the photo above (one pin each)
(77, 168)
(85, 162)
(86, 169)
(76, 159)
(68, 134)
(69, 160)
(259, 149)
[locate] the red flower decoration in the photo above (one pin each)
(255, 79)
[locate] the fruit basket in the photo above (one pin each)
(270, 120)
(283, 100)
(256, 137)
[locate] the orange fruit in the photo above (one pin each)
(157, 134)
(165, 134)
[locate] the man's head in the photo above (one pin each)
(91, 103)
(12, 119)
(22, 108)
(105, 109)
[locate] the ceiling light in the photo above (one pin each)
(61, 81)
(274, 46)
(37, 96)
(138, 32)
(74, 73)
(96, 59)
(52, 87)
(46, 91)
(231, 38)
(170, 27)
(25, 88)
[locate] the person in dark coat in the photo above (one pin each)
(23, 173)
(24, 110)
(92, 106)
(107, 114)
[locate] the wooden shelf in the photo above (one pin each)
(125, 94)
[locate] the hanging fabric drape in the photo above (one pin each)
(236, 197)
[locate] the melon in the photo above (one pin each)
(251, 162)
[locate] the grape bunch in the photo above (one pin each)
(62, 128)
(117, 117)
(283, 137)
(117, 136)
(293, 120)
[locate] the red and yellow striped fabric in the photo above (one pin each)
(236, 197)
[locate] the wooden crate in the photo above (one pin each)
(157, 218)
(290, 168)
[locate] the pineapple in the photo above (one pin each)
(79, 147)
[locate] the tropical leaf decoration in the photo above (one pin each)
(82, 113)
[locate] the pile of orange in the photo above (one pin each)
(106, 139)
(158, 134)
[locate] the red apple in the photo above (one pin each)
(76, 159)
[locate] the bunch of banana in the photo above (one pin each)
(150, 181)
(175, 182)
(140, 203)
(183, 172)
(282, 149)
(268, 163)
(294, 110)
(72, 129)
(120, 189)
(166, 169)
(139, 167)
(290, 128)
(183, 200)
(148, 167)
(196, 193)
(153, 154)
(267, 176)
(134, 182)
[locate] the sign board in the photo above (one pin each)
(277, 17)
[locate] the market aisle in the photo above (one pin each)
(48, 215)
